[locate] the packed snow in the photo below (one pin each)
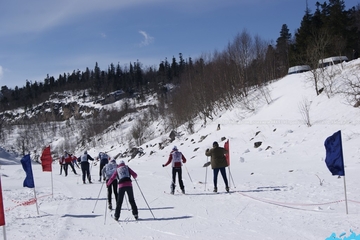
(279, 190)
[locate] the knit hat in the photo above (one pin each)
(113, 161)
(174, 148)
(122, 163)
(85, 152)
(215, 144)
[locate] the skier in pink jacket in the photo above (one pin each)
(123, 173)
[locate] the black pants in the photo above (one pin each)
(121, 194)
(85, 171)
(223, 174)
(61, 168)
(179, 173)
(103, 162)
(110, 189)
(66, 166)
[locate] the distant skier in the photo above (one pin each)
(104, 159)
(176, 158)
(85, 166)
(74, 161)
(218, 163)
(62, 163)
(107, 172)
(123, 173)
(67, 159)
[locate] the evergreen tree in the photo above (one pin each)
(97, 79)
(282, 49)
(302, 37)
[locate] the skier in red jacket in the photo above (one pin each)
(68, 159)
(177, 159)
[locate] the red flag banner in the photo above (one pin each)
(46, 160)
(2, 213)
(227, 147)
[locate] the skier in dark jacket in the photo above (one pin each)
(176, 158)
(123, 173)
(104, 159)
(218, 163)
(85, 166)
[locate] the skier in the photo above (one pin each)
(175, 158)
(67, 158)
(62, 163)
(85, 166)
(104, 159)
(123, 173)
(218, 163)
(74, 161)
(107, 172)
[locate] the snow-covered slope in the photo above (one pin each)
(280, 190)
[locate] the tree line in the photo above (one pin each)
(226, 75)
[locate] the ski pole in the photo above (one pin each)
(172, 182)
(230, 177)
(189, 176)
(105, 212)
(98, 196)
(207, 160)
(144, 197)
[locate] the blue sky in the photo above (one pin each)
(41, 37)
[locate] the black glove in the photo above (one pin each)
(163, 165)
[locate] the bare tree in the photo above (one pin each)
(265, 92)
(352, 89)
(304, 108)
(23, 140)
(315, 52)
(241, 53)
(141, 130)
(328, 79)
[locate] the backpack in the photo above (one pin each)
(84, 158)
(123, 174)
(110, 168)
(177, 156)
(104, 158)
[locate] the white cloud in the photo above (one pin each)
(147, 39)
(41, 15)
(1, 73)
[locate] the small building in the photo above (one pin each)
(299, 69)
(332, 61)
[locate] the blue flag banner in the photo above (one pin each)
(334, 154)
(26, 164)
